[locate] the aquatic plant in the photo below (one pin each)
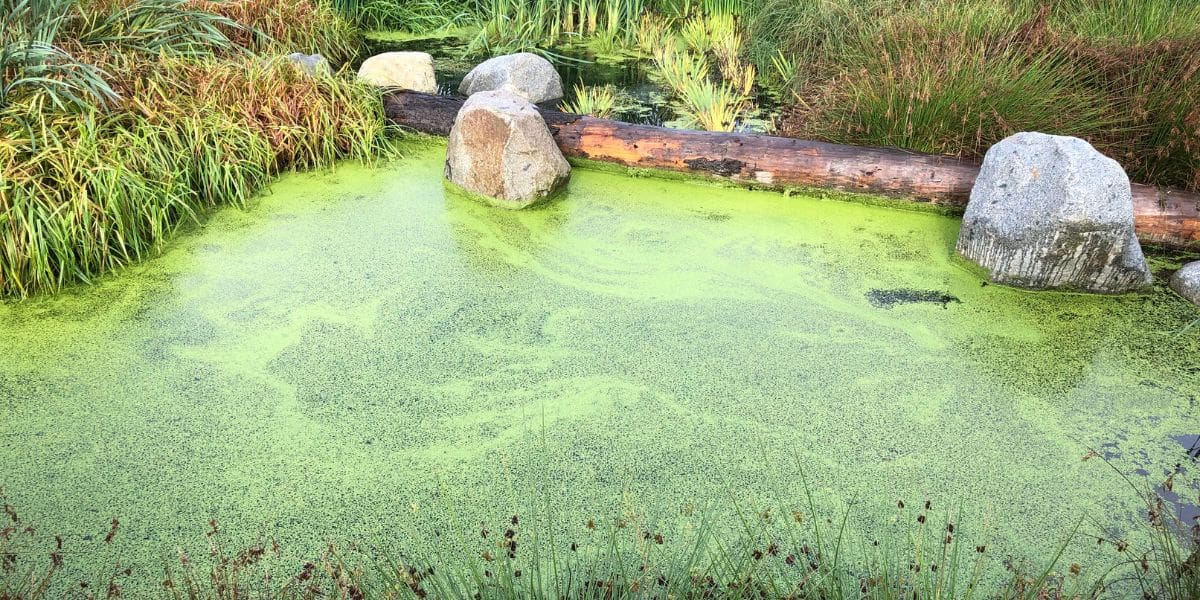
(653, 32)
(678, 67)
(700, 102)
(711, 106)
(597, 101)
(535, 25)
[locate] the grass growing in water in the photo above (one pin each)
(597, 101)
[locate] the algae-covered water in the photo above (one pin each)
(358, 352)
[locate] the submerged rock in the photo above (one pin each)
(313, 64)
(501, 148)
(404, 70)
(524, 74)
(1186, 281)
(1051, 212)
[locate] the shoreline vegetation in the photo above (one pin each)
(778, 550)
(936, 77)
(121, 119)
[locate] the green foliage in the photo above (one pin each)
(414, 16)
(598, 101)
(710, 106)
(958, 77)
(286, 26)
(119, 120)
(34, 68)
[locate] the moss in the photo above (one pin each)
(357, 352)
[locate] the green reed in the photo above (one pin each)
(788, 547)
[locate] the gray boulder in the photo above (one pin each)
(1050, 212)
(500, 148)
(313, 64)
(1187, 282)
(526, 75)
(403, 70)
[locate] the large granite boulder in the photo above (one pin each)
(500, 148)
(1051, 212)
(526, 75)
(403, 70)
(1186, 281)
(313, 64)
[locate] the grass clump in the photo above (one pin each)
(597, 101)
(958, 77)
(123, 118)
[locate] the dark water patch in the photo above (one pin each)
(889, 298)
(718, 217)
(1192, 444)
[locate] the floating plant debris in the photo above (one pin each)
(891, 297)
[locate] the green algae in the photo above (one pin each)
(358, 349)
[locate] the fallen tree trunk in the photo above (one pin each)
(1164, 217)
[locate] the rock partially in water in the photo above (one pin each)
(523, 74)
(313, 64)
(1186, 281)
(501, 148)
(403, 70)
(1051, 212)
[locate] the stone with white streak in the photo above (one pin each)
(1051, 212)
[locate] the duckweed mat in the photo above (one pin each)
(359, 354)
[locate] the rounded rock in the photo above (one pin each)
(524, 74)
(403, 70)
(313, 64)
(1186, 282)
(501, 149)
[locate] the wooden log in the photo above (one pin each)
(1164, 217)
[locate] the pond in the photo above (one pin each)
(641, 98)
(360, 350)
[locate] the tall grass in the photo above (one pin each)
(536, 25)
(789, 547)
(957, 77)
(176, 106)
(286, 26)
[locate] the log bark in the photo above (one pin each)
(1164, 217)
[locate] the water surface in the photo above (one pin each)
(359, 348)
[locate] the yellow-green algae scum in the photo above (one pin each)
(359, 351)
